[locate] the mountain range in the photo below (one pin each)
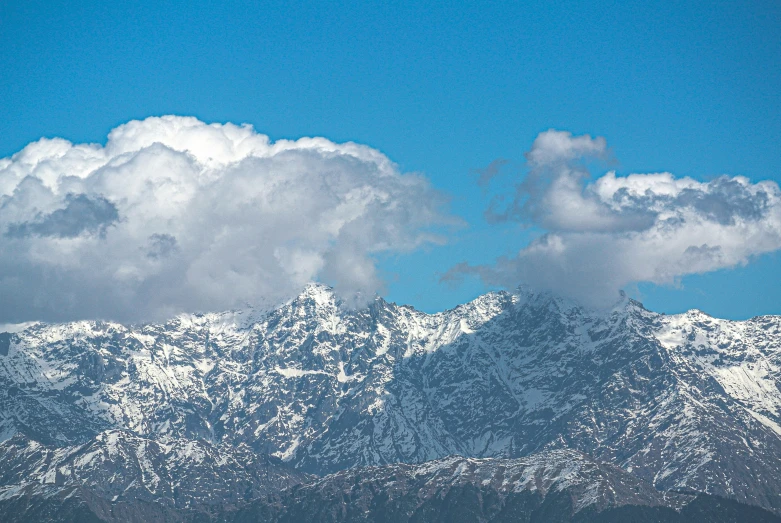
(516, 406)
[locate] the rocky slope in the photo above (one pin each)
(551, 486)
(174, 475)
(464, 489)
(682, 402)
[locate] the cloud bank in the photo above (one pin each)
(176, 215)
(604, 234)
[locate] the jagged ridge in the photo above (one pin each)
(684, 401)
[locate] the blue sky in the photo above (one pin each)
(440, 88)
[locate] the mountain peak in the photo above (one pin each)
(321, 294)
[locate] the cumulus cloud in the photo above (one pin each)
(173, 214)
(81, 214)
(604, 234)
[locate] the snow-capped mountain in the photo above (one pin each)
(682, 402)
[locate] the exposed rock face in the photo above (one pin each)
(682, 402)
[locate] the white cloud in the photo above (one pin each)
(605, 234)
(173, 214)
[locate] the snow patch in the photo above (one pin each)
(769, 423)
(297, 373)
